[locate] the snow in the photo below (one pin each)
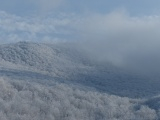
(59, 82)
(20, 100)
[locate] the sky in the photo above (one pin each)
(125, 32)
(28, 7)
(61, 20)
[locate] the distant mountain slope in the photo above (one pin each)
(55, 59)
(68, 63)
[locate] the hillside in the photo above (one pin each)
(60, 82)
(66, 63)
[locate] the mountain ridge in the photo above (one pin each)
(73, 87)
(68, 63)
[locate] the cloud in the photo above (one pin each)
(123, 39)
(14, 28)
(116, 37)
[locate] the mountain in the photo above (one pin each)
(68, 63)
(49, 58)
(61, 82)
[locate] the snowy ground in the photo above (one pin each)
(57, 82)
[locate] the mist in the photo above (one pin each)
(131, 42)
(126, 41)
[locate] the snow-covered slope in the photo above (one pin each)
(21, 100)
(60, 82)
(53, 59)
(69, 64)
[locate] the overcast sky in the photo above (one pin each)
(126, 32)
(54, 20)
(26, 7)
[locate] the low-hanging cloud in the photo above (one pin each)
(123, 39)
(116, 37)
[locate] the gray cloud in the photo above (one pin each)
(14, 28)
(116, 37)
(124, 40)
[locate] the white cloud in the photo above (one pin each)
(116, 37)
(15, 28)
(122, 39)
